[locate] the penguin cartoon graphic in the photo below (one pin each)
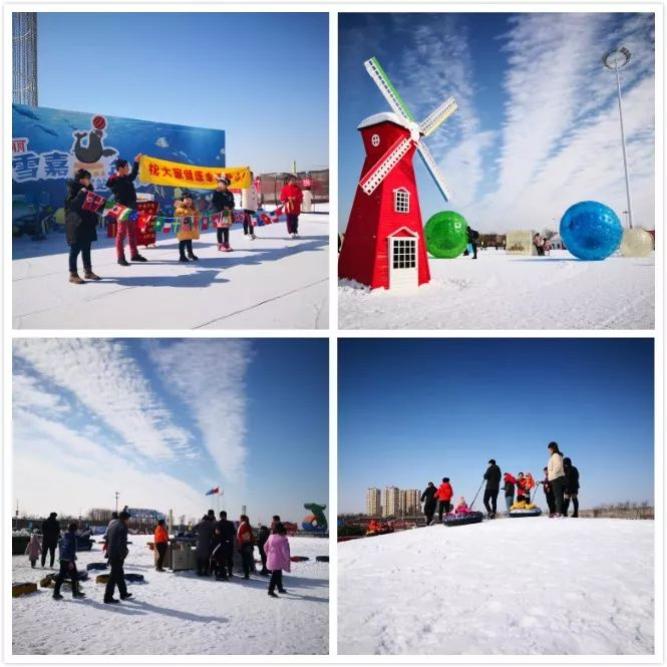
(89, 156)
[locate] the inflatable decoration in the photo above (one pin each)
(315, 522)
(590, 230)
(462, 519)
(637, 242)
(446, 234)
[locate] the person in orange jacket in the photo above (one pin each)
(292, 197)
(161, 537)
(444, 495)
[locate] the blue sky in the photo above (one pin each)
(537, 126)
(415, 410)
(163, 421)
(256, 75)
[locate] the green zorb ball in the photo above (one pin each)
(446, 234)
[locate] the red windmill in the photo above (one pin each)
(384, 241)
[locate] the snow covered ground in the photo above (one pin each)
(271, 283)
(178, 613)
(510, 586)
(500, 291)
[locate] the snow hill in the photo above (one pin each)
(500, 291)
(177, 613)
(272, 283)
(511, 586)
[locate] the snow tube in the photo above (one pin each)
(298, 559)
(322, 559)
(524, 509)
(131, 576)
(462, 519)
(97, 566)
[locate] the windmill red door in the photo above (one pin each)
(384, 241)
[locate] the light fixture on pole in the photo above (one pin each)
(616, 60)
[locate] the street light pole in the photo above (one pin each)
(116, 502)
(616, 60)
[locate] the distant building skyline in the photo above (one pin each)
(392, 501)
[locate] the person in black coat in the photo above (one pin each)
(50, 537)
(262, 536)
(68, 564)
(226, 534)
(571, 488)
(122, 185)
(473, 237)
(429, 500)
(548, 492)
(492, 477)
(80, 226)
(223, 203)
(117, 553)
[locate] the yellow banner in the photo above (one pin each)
(178, 175)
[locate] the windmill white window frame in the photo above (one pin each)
(402, 201)
(403, 266)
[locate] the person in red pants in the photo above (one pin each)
(122, 186)
(292, 198)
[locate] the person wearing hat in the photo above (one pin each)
(80, 226)
(223, 203)
(121, 183)
(117, 553)
(189, 230)
(492, 477)
(292, 198)
(50, 537)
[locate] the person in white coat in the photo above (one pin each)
(249, 204)
(556, 477)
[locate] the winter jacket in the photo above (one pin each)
(428, 497)
(555, 467)
(161, 535)
(222, 200)
(445, 491)
(262, 536)
(226, 531)
(50, 531)
(204, 530)
(249, 199)
(34, 548)
(277, 553)
(508, 486)
(571, 480)
(67, 546)
(80, 225)
(244, 534)
(292, 197)
(492, 477)
(192, 232)
(117, 540)
(123, 187)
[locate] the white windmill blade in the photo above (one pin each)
(387, 89)
(434, 120)
(385, 164)
(432, 167)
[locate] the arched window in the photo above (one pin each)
(401, 200)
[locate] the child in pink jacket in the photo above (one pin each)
(277, 558)
(34, 549)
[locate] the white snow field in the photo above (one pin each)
(177, 613)
(273, 282)
(500, 291)
(534, 586)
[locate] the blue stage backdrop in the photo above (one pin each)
(49, 145)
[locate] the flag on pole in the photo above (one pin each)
(212, 492)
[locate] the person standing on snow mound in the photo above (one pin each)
(205, 529)
(68, 564)
(223, 204)
(556, 477)
(50, 537)
(249, 204)
(429, 500)
(80, 226)
(226, 533)
(161, 538)
(444, 495)
(117, 553)
(122, 186)
(548, 492)
(246, 545)
(262, 537)
(571, 488)
(492, 477)
(292, 198)
(508, 487)
(278, 558)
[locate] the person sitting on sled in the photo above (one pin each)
(462, 507)
(223, 204)
(184, 210)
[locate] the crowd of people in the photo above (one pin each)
(81, 221)
(216, 541)
(560, 485)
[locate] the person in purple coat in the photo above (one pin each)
(277, 558)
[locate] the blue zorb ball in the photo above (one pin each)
(591, 230)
